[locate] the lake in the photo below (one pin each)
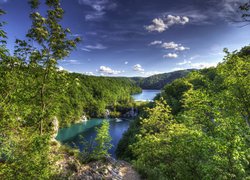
(73, 135)
(146, 95)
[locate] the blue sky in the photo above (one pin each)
(141, 37)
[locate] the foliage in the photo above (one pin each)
(245, 11)
(29, 157)
(207, 137)
(123, 151)
(102, 141)
(97, 149)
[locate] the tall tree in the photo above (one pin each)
(52, 43)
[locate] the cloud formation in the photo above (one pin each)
(170, 45)
(171, 55)
(202, 65)
(107, 70)
(216, 10)
(94, 47)
(99, 8)
(162, 24)
(138, 68)
(155, 43)
(175, 46)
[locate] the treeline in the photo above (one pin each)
(92, 95)
(158, 81)
(199, 126)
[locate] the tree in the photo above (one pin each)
(102, 141)
(26, 78)
(54, 45)
(235, 72)
(245, 12)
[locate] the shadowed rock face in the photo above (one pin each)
(55, 127)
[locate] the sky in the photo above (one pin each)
(140, 37)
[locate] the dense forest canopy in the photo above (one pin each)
(198, 127)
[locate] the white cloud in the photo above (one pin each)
(171, 55)
(99, 5)
(184, 62)
(85, 49)
(169, 45)
(89, 73)
(126, 62)
(171, 20)
(155, 43)
(108, 70)
(175, 46)
(138, 68)
(94, 47)
(99, 8)
(158, 25)
(151, 73)
(94, 16)
(60, 68)
(197, 65)
(181, 48)
(162, 24)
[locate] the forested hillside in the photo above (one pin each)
(199, 126)
(158, 81)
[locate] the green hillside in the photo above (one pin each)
(158, 81)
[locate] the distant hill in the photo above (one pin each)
(158, 81)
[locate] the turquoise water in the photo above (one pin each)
(74, 135)
(146, 95)
(68, 133)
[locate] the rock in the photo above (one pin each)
(84, 118)
(55, 127)
(110, 169)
